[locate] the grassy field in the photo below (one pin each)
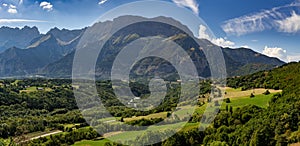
(240, 98)
(190, 126)
(259, 100)
(34, 89)
(107, 119)
(71, 125)
(91, 142)
(233, 93)
(131, 135)
(15, 82)
(184, 110)
(128, 135)
(151, 116)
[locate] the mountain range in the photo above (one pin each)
(26, 52)
(15, 37)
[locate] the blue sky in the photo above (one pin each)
(271, 27)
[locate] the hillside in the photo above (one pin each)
(243, 61)
(285, 77)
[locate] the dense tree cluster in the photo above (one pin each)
(22, 112)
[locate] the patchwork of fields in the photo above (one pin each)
(237, 98)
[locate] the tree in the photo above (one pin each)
(267, 92)
(230, 109)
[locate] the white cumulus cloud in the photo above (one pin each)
(276, 52)
(192, 4)
(102, 2)
(12, 6)
(4, 5)
(290, 24)
(46, 6)
(12, 9)
(295, 57)
(223, 42)
(203, 32)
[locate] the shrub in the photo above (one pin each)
(227, 100)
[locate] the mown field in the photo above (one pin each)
(91, 142)
(233, 93)
(259, 100)
(240, 98)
